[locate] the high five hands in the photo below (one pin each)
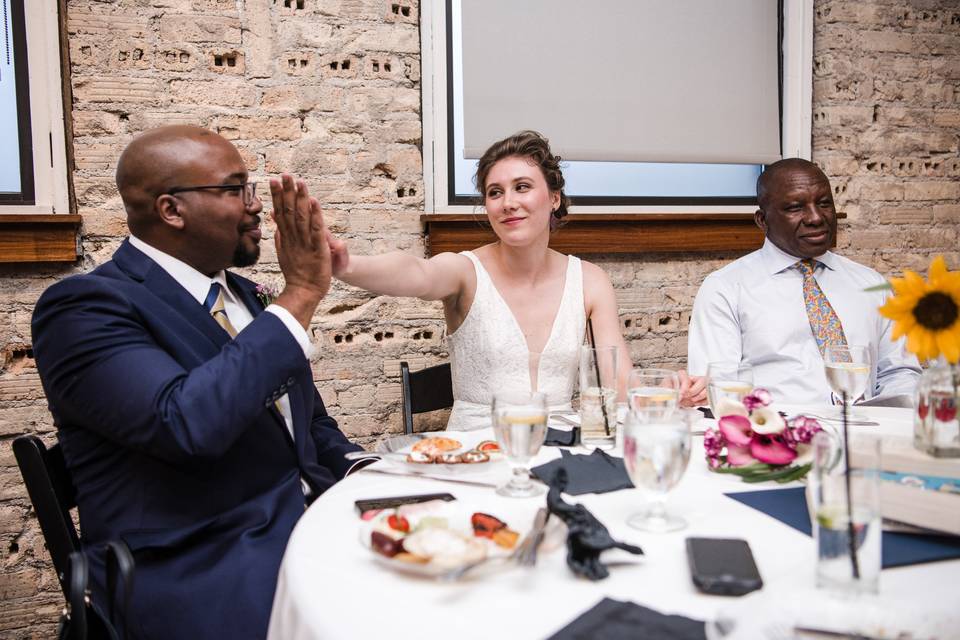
(303, 249)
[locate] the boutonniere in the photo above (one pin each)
(266, 294)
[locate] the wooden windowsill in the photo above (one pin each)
(39, 237)
(608, 233)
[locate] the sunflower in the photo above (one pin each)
(928, 313)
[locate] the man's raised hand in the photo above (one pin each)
(302, 249)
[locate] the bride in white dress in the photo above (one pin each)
(515, 309)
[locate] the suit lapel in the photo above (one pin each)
(246, 291)
(142, 269)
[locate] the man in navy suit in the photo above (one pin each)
(197, 448)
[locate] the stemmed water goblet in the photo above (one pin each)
(848, 371)
(520, 426)
(656, 453)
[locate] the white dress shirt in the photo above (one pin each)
(753, 311)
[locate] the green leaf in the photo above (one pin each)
(886, 286)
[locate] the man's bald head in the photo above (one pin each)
(157, 161)
(769, 176)
(212, 220)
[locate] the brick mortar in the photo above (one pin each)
(886, 129)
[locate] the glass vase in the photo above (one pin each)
(936, 427)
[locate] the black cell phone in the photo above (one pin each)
(722, 566)
(393, 502)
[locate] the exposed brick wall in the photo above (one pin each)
(330, 89)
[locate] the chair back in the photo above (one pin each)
(425, 390)
(52, 494)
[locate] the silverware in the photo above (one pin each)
(828, 633)
(861, 423)
(425, 476)
(379, 455)
(564, 419)
(527, 552)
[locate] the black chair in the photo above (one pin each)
(52, 494)
(425, 390)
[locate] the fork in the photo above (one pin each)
(862, 423)
(520, 554)
(527, 552)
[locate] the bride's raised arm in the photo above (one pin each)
(401, 274)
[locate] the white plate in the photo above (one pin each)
(404, 444)
(458, 520)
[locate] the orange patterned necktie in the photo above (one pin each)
(824, 321)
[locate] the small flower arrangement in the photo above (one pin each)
(754, 442)
(266, 294)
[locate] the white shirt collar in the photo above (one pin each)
(776, 259)
(196, 283)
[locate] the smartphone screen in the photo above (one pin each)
(722, 566)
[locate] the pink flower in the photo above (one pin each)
(736, 430)
(713, 442)
(759, 397)
(771, 450)
(738, 455)
(802, 429)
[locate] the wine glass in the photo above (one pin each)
(848, 370)
(520, 426)
(728, 380)
(653, 392)
(656, 453)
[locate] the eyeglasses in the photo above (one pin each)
(249, 190)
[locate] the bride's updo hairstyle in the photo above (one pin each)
(532, 145)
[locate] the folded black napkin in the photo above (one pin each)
(561, 438)
(615, 620)
(594, 473)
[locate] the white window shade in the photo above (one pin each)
(625, 80)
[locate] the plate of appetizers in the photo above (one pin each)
(438, 539)
(442, 452)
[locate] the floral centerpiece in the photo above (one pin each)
(928, 314)
(755, 442)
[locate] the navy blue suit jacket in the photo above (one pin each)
(170, 433)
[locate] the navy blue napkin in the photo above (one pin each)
(615, 620)
(594, 473)
(561, 438)
(789, 506)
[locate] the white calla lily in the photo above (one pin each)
(766, 421)
(728, 407)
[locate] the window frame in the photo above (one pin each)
(48, 147)
(796, 101)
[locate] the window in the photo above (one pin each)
(608, 179)
(33, 173)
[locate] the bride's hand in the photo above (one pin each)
(693, 389)
(339, 255)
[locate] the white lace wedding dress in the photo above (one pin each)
(488, 352)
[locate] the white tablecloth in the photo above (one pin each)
(331, 587)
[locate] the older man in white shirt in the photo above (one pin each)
(779, 307)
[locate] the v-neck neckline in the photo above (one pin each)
(516, 323)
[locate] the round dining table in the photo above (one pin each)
(331, 586)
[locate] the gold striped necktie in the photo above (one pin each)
(214, 304)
